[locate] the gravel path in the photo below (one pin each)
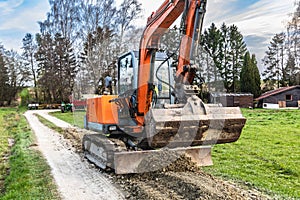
(75, 177)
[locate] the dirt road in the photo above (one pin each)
(76, 179)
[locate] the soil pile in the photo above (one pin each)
(182, 179)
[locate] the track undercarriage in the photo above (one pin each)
(112, 154)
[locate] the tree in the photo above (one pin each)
(128, 12)
(250, 77)
(96, 56)
(226, 48)
(247, 81)
(293, 36)
(238, 49)
(57, 64)
(63, 18)
(99, 13)
(170, 41)
(256, 76)
(293, 48)
(29, 49)
(226, 67)
(45, 58)
(65, 67)
(293, 73)
(274, 61)
(3, 77)
(212, 42)
(282, 60)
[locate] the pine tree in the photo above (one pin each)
(250, 77)
(45, 57)
(238, 49)
(212, 43)
(226, 69)
(65, 67)
(227, 48)
(275, 71)
(247, 81)
(256, 76)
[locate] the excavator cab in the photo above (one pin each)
(128, 76)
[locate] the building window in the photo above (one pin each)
(288, 97)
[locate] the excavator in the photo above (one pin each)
(157, 110)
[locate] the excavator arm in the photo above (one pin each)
(158, 23)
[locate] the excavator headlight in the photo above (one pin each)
(112, 128)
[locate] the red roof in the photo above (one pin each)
(277, 91)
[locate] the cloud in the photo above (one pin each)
(258, 21)
(256, 17)
(25, 19)
(20, 21)
(8, 6)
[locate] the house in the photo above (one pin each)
(280, 98)
(232, 99)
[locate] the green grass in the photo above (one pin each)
(29, 175)
(4, 148)
(73, 118)
(50, 124)
(267, 155)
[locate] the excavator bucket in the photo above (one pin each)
(194, 124)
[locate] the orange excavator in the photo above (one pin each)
(157, 108)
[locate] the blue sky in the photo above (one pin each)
(258, 20)
(18, 17)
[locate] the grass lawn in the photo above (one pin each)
(29, 175)
(267, 155)
(4, 148)
(74, 118)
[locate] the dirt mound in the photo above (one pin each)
(166, 160)
(74, 135)
(180, 179)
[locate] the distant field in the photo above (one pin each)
(267, 155)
